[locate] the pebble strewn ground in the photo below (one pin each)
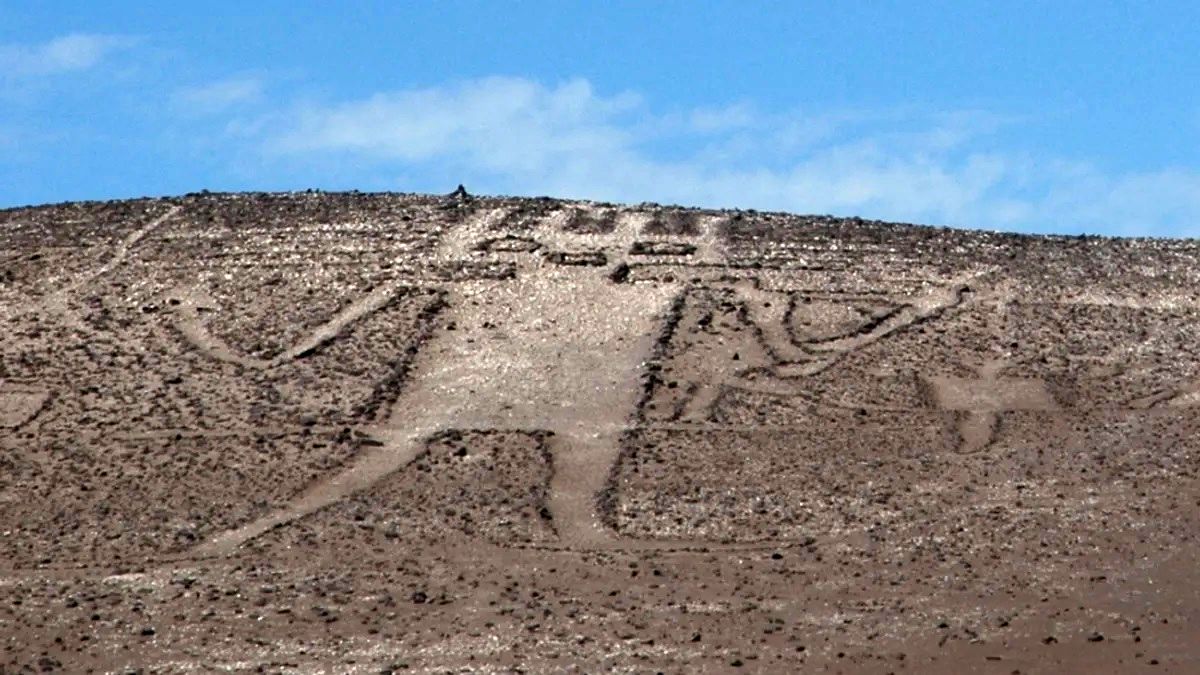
(379, 433)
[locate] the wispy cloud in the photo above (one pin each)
(503, 125)
(520, 136)
(718, 120)
(219, 96)
(69, 53)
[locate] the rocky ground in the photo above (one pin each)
(364, 433)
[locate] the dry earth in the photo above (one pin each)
(327, 433)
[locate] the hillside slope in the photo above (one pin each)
(318, 432)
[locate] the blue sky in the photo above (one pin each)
(1040, 117)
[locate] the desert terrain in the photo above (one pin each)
(380, 433)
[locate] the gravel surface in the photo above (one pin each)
(374, 433)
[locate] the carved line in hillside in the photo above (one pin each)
(790, 361)
(584, 539)
(793, 356)
(977, 421)
(167, 565)
(977, 401)
(922, 309)
(581, 467)
(459, 389)
(871, 322)
(661, 544)
(384, 395)
(362, 473)
(126, 246)
(570, 500)
(59, 301)
(1185, 395)
(575, 535)
(20, 405)
(391, 450)
(456, 246)
(553, 238)
(772, 385)
(766, 317)
(397, 447)
(188, 304)
(977, 431)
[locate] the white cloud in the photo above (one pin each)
(496, 124)
(518, 136)
(1161, 202)
(220, 95)
(728, 118)
(74, 52)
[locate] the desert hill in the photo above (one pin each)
(347, 432)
